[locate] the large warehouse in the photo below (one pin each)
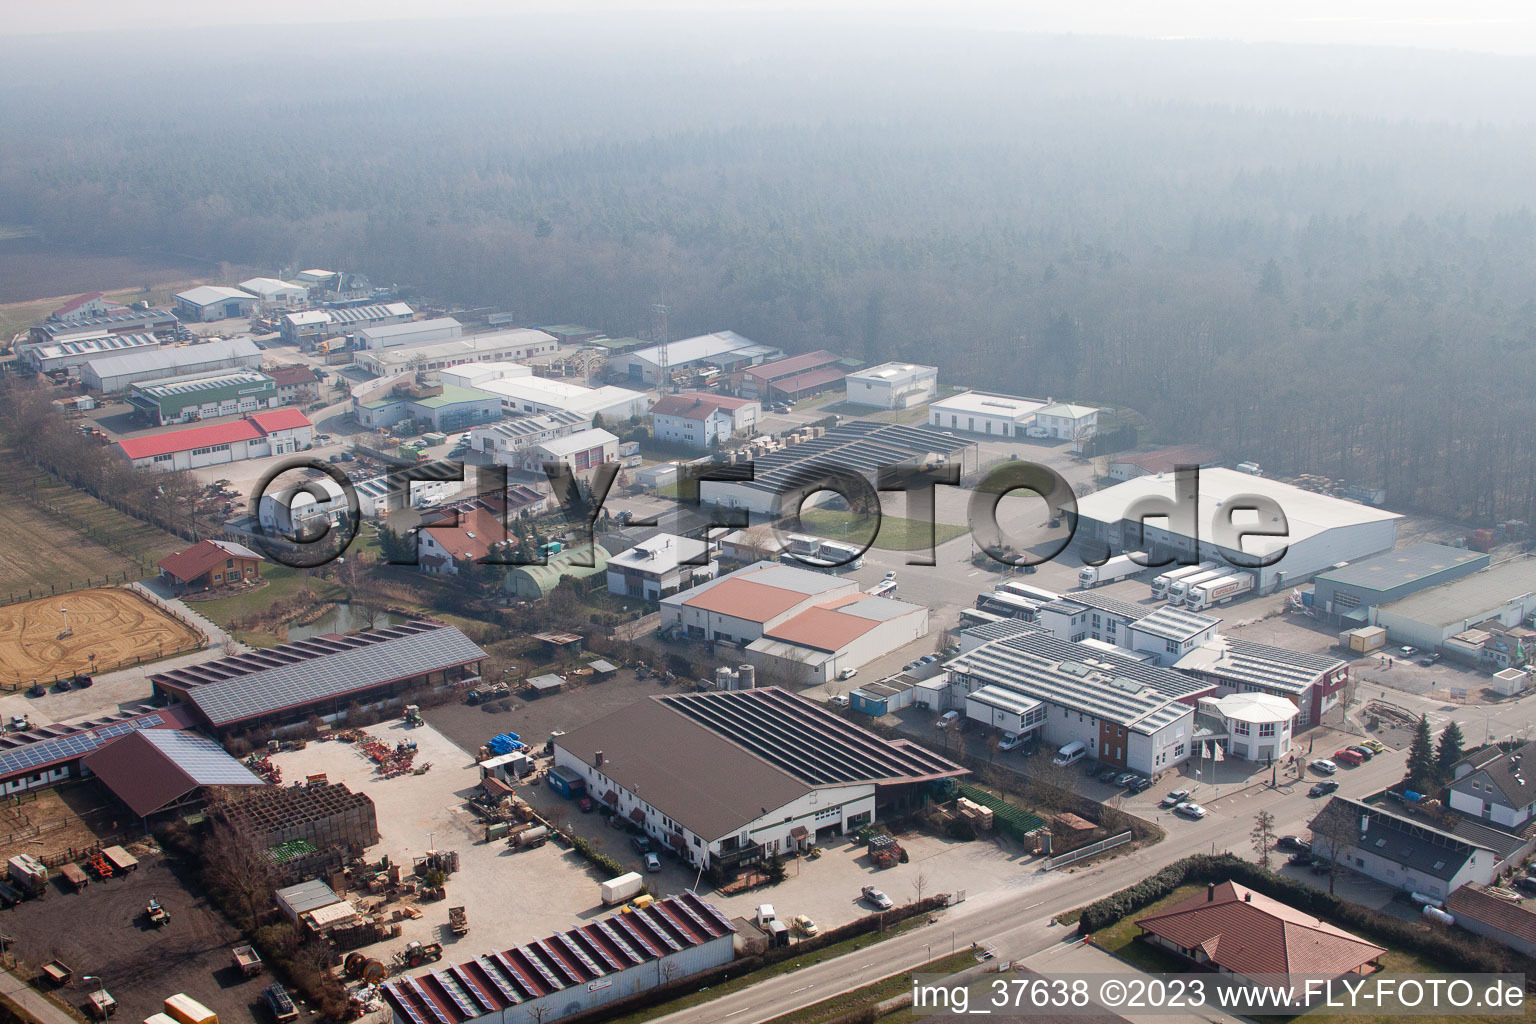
(804, 625)
(860, 447)
(1322, 531)
(274, 432)
(71, 353)
(413, 332)
(725, 349)
(784, 772)
(111, 374)
(502, 346)
(1349, 593)
(533, 395)
(1123, 711)
(214, 302)
(184, 399)
(445, 406)
(1505, 592)
(320, 676)
(595, 963)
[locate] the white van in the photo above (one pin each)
(1071, 753)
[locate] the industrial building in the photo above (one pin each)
(784, 773)
(43, 756)
(413, 332)
(162, 323)
(444, 406)
(531, 395)
(536, 582)
(1130, 465)
(213, 302)
(791, 378)
(90, 306)
(307, 328)
(861, 447)
(980, 412)
(69, 355)
(390, 492)
(701, 419)
(573, 334)
(578, 452)
(275, 294)
(1348, 594)
(660, 566)
(1404, 853)
(597, 962)
(320, 676)
(184, 399)
(727, 350)
(159, 771)
(502, 346)
(507, 440)
(274, 432)
(110, 374)
(295, 384)
(1123, 711)
(803, 625)
(893, 385)
(1161, 635)
(472, 375)
(1313, 682)
(1321, 531)
(1501, 595)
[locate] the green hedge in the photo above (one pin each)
(1444, 948)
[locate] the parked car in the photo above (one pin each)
(1376, 746)
(1191, 810)
(839, 700)
(585, 804)
(1526, 884)
(1323, 766)
(1107, 773)
(642, 844)
(804, 925)
(877, 899)
(652, 862)
(947, 720)
(847, 673)
(36, 690)
(1364, 751)
(1140, 784)
(1323, 788)
(1301, 859)
(1296, 843)
(928, 659)
(1348, 758)
(63, 685)
(1010, 741)
(1125, 778)
(1175, 797)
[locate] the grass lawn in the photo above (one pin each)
(896, 533)
(878, 992)
(772, 971)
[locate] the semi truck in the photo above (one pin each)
(1117, 568)
(1160, 583)
(1218, 591)
(1178, 590)
(1037, 595)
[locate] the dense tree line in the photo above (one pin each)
(1211, 238)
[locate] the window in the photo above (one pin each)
(1171, 646)
(1241, 729)
(1266, 728)
(1178, 750)
(229, 563)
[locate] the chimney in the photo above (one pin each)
(597, 759)
(1247, 897)
(1210, 893)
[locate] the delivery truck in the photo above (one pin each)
(183, 1008)
(1178, 590)
(1117, 568)
(617, 890)
(1218, 591)
(1160, 583)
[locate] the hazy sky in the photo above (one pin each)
(1494, 26)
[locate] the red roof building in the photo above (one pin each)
(273, 432)
(211, 563)
(700, 418)
(793, 377)
(1238, 931)
(471, 539)
(89, 306)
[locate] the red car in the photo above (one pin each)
(1348, 757)
(585, 803)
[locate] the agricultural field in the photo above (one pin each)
(85, 631)
(77, 544)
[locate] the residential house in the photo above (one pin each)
(296, 385)
(1496, 786)
(1403, 852)
(210, 564)
(660, 566)
(700, 419)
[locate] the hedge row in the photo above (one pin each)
(1442, 947)
(597, 857)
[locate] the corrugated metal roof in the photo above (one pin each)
(1470, 598)
(170, 358)
(149, 769)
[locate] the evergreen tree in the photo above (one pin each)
(1452, 746)
(1421, 758)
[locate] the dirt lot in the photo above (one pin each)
(534, 720)
(48, 822)
(102, 931)
(106, 629)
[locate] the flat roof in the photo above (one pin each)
(171, 357)
(892, 371)
(1470, 598)
(121, 343)
(1307, 514)
(468, 346)
(1403, 565)
(1258, 664)
(262, 682)
(1172, 623)
(982, 403)
(181, 386)
(409, 327)
(661, 554)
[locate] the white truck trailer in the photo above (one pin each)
(1178, 590)
(1160, 583)
(1218, 591)
(1117, 568)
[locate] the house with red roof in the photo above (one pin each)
(209, 564)
(273, 432)
(700, 419)
(1234, 930)
(90, 306)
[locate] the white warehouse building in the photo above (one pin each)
(411, 332)
(893, 385)
(111, 374)
(1320, 531)
(978, 412)
(534, 395)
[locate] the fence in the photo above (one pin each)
(110, 579)
(1052, 863)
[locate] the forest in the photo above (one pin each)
(1318, 259)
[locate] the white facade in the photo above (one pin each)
(67, 355)
(506, 441)
(893, 385)
(659, 566)
(978, 412)
(377, 496)
(471, 375)
(213, 302)
(502, 346)
(545, 394)
(702, 424)
(581, 451)
(113, 373)
(294, 511)
(1068, 422)
(275, 294)
(410, 333)
(1258, 725)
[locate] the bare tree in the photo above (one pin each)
(920, 883)
(1333, 832)
(1263, 836)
